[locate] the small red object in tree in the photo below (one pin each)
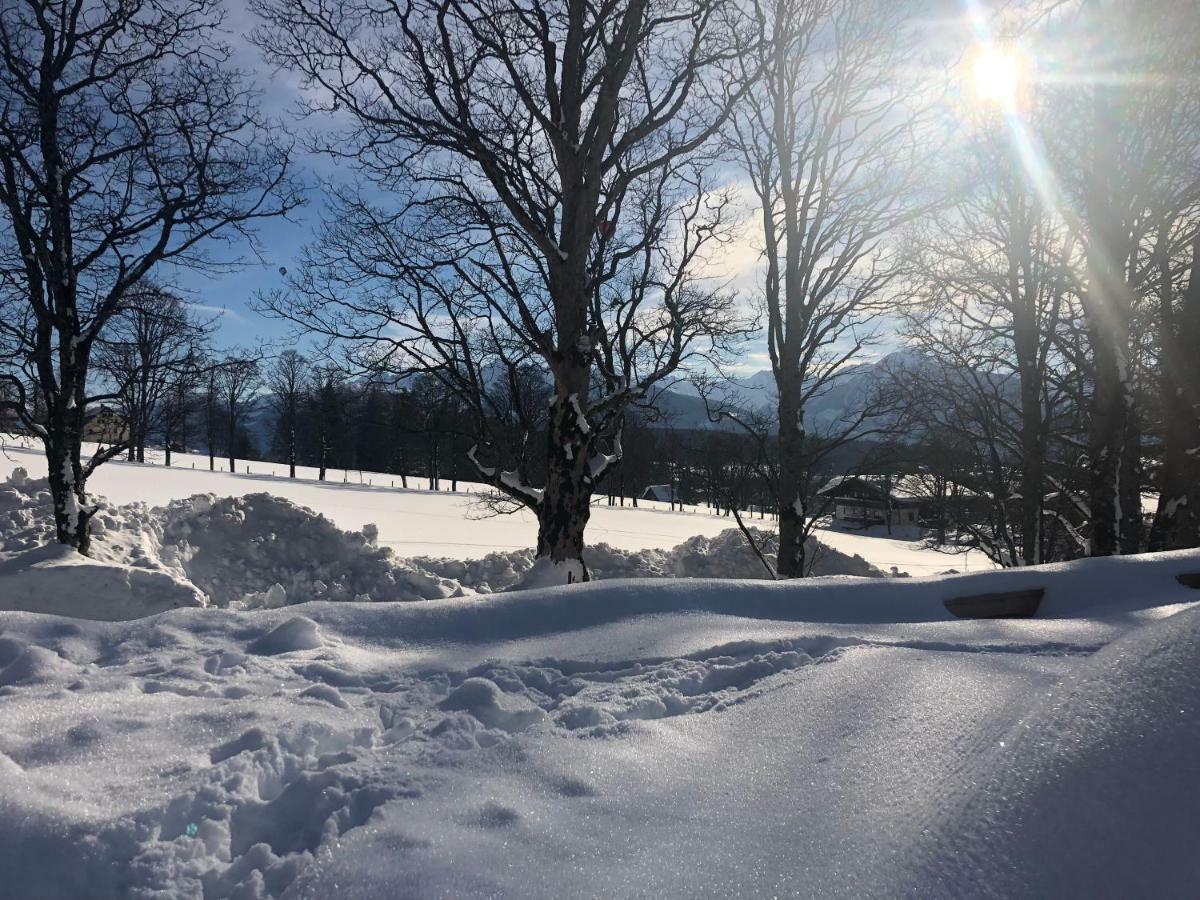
(607, 228)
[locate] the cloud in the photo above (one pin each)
(222, 311)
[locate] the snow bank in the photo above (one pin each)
(252, 551)
(1094, 792)
(725, 555)
(124, 569)
(261, 551)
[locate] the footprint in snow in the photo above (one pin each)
(297, 633)
(497, 815)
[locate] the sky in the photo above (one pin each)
(230, 296)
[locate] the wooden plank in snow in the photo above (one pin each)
(1003, 605)
(1189, 579)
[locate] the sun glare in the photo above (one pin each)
(996, 74)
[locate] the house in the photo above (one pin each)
(105, 426)
(663, 493)
(872, 500)
(10, 422)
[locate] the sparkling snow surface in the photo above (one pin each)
(629, 738)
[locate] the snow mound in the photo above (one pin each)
(298, 633)
(26, 664)
(260, 551)
(484, 700)
(1099, 783)
(256, 551)
(725, 555)
(264, 551)
(124, 567)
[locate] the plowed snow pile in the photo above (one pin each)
(261, 551)
(722, 556)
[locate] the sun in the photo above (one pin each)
(996, 74)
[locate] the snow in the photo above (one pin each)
(202, 710)
(419, 522)
(259, 551)
(625, 738)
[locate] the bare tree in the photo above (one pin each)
(829, 142)
(995, 275)
(545, 209)
(144, 353)
(1127, 150)
(178, 405)
(287, 380)
(125, 142)
(1177, 518)
(238, 379)
(324, 410)
(210, 402)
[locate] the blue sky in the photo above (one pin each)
(231, 294)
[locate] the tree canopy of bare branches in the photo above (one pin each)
(539, 202)
(126, 141)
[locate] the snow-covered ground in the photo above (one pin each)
(630, 738)
(626, 738)
(419, 522)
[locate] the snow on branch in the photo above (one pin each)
(600, 463)
(508, 481)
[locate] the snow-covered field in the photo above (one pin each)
(419, 522)
(626, 738)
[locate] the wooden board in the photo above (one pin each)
(1003, 605)
(1189, 579)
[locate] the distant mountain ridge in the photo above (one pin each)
(683, 407)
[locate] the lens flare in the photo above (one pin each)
(996, 74)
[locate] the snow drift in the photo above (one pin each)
(261, 551)
(625, 738)
(723, 556)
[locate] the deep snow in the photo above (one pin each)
(627, 738)
(259, 550)
(630, 737)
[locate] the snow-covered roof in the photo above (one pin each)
(899, 487)
(662, 492)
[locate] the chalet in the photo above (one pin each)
(105, 426)
(663, 493)
(872, 500)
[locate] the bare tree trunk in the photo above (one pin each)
(71, 510)
(565, 506)
(1177, 519)
(791, 560)
(1107, 306)
(1032, 444)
